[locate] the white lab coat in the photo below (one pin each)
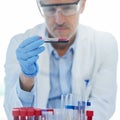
(95, 59)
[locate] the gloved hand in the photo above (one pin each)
(27, 55)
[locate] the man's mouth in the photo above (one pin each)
(60, 28)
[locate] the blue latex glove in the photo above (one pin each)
(27, 55)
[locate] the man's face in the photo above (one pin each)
(60, 25)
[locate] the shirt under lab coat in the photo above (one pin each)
(95, 58)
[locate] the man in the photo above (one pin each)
(38, 73)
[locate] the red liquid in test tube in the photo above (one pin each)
(54, 40)
(37, 114)
(89, 115)
(50, 110)
(23, 113)
(15, 113)
(30, 113)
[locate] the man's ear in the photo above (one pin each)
(82, 6)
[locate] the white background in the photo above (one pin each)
(17, 16)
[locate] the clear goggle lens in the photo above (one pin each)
(66, 9)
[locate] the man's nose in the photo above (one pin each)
(59, 17)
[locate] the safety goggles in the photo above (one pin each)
(67, 9)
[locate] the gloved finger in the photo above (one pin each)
(29, 61)
(27, 55)
(35, 52)
(28, 41)
(33, 45)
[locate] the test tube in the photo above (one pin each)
(70, 112)
(79, 110)
(30, 113)
(44, 114)
(15, 113)
(63, 101)
(50, 114)
(89, 114)
(54, 40)
(23, 113)
(76, 115)
(83, 110)
(89, 111)
(37, 114)
(58, 114)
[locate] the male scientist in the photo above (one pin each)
(37, 72)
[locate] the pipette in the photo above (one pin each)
(54, 40)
